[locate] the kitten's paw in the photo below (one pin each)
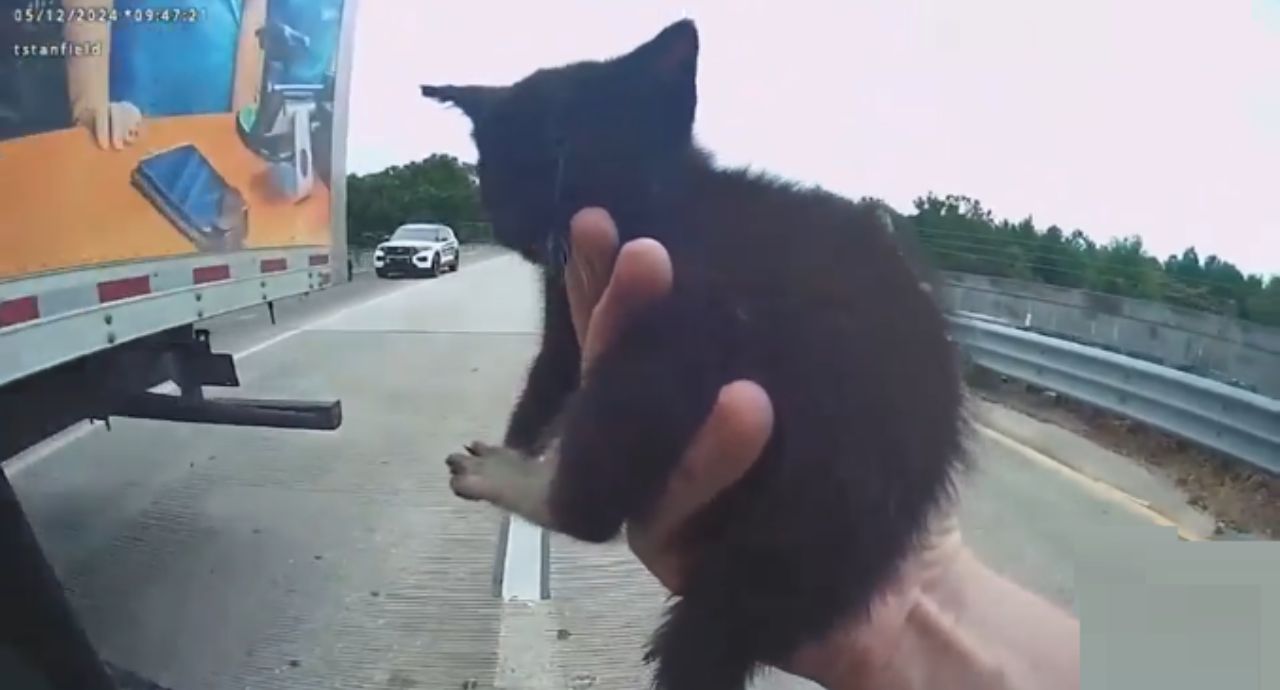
(484, 472)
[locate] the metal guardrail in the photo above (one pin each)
(1215, 415)
(1245, 355)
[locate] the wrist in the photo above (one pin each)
(955, 629)
(928, 646)
(936, 649)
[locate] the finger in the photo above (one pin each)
(723, 451)
(641, 275)
(725, 448)
(101, 120)
(594, 239)
(116, 117)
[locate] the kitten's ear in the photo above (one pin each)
(672, 55)
(474, 101)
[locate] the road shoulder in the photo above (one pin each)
(1136, 475)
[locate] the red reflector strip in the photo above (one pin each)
(273, 265)
(209, 274)
(318, 260)
(124, 288)
(19, 310)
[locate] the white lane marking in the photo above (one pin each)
(29, 457)
(24, 460)
(522, 562)
(319, 321)
(64, 438)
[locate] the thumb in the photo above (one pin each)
(721, 453)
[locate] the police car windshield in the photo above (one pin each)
(421, 233)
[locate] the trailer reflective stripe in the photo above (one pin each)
(210, 274)
(59, 298)
(19, 310)
(123, 288)
(273, 265)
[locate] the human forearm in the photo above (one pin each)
(248, 70)
(975, 630)
(88, 76)
(1036, 642)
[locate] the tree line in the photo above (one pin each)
(438, 189)
(956, 232)
(959, 234)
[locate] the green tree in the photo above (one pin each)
(438, 189)
(1122, 267)
(1264, 305)
(1058, 261)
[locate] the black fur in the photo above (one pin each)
(802, 291)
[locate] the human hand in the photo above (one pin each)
(113, 124)
(603, 292)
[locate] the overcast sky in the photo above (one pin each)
(1152, 117)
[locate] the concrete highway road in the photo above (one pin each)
(231, 558)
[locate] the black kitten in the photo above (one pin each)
(804, 292)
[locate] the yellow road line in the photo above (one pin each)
(1099, 489)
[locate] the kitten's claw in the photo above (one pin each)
(504, 477)
(482, 472)
(482, 448)
(466, 476)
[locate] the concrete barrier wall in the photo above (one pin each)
(1227, 349)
